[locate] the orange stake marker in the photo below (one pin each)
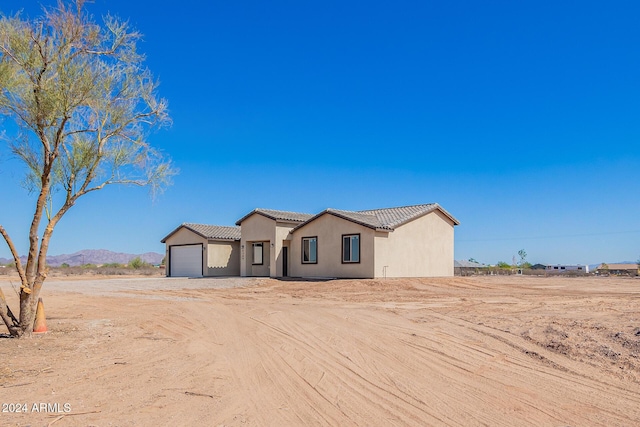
(40, 324)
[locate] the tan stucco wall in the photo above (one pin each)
(421, 248)
(220, 258)
(261, 270)
(329, 230)
(257, 228)
(182, 237)
(223, 258)
(283, 234)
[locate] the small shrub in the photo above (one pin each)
(113, 265)
(137, 263)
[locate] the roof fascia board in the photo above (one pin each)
(435, 207)
(183, 226)
(447, 214)
(220, 239)
(266, 215)
(327, 211)
(254, 212)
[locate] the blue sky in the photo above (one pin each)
(522, 119)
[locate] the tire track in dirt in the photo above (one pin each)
(342, 372)
(386, 358)
(523, 369)
(344, 353)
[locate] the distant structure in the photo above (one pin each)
(468, 268)
(560, 269)
(618, 269)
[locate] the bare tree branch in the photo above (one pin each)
(14, 254)
(7, 316)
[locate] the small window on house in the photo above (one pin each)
(562, 268)
(309, 250)
(350, 248)
(555, 268)
(257, 254)
(579, 268)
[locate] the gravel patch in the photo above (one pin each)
(124, 286)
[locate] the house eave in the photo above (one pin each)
(271, 217)
(178, 229)
(346, 218)
(197, 233)
(435, 207)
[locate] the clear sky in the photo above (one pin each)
(522, 119)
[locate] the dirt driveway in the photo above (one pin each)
(498, 351)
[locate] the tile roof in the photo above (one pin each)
(276, 215)
(394, 217)
(210, 232)
(366, 219)
(385, 219)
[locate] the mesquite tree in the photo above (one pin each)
(84, 104)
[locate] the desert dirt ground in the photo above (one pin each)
(473, 351)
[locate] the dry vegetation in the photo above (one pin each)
(497, 351)
(93, 271)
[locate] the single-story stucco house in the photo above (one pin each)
(406, 241)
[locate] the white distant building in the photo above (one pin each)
(566, 268)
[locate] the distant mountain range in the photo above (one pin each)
(94, 256)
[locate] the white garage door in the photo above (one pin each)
(186, 261)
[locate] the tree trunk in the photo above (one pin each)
(22, 327)
(27, 313)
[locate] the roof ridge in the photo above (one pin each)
(347, 210)
(210, 225)
(399, 207)
(280, 210)
(278, 215)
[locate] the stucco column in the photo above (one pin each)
(243, 258)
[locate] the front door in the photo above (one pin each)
(285, 261)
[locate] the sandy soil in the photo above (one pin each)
(497, 351)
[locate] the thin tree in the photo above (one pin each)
(85, 104)
(523, 257)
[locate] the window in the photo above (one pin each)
(350, 248)
(257, 253)
(310, 250)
